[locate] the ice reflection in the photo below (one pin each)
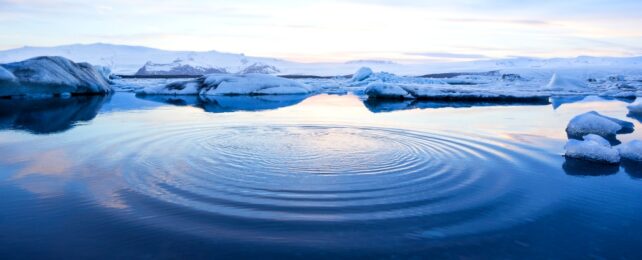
(378, 105)
(46, 116)
(222, 104)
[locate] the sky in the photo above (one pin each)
(401, 30)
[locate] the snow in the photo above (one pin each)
(594, 123)
(228, 84)
(636, 107)
(387, 90)
(566, 84)
(632, 150)
(362, 74)
(44, 76)
(593, 148)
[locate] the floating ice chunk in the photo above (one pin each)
(387, 91)
(44, 76)
(561, 83)
(636, 107)
(252, 84)
(104, 71)
(594, 123)
(593, 148)
(189, 87)
(227, 84)
(597, 139)
(632, 150)
(362, 74)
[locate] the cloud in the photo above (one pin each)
(448, 55)
(500, 21)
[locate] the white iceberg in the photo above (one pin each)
(231, 84)
(636, 107)
(362, 74)
(594, 123)
(44, 76)
(387, 91)
(632, 150)
(566, 84)
(593, 148)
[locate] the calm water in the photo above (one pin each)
(295, 176)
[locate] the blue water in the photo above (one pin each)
(308, 177)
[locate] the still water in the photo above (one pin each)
(309, 177)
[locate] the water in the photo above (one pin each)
(310, 177)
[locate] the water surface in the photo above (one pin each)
(298, 176)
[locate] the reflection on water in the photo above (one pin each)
(558, 101)
(222, 104)
(379, 105)
(320, 177)
(636, 116)
(633, 168)
(577, 167)
(44, 116)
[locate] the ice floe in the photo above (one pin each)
(387, 91)
(595, 123)
(44, 76)
(631, 150)
(362, 74)
(593, 148)
(231, 84)
(565, 84)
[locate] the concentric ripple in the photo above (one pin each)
(333, 174)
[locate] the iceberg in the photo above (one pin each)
(632, 150)
(387, 91)
(594, 123)
(362, 74)
(593, 148)
(565, 84)
(48, 76)
(227, 84)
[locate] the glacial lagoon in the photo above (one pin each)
(123, 176)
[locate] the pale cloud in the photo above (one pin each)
(334, 30)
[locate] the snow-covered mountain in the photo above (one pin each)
(123, 59)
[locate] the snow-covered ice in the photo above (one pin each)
(387, 90)
(565, 84)
(362, 74)
(593, 148)
(231, 84)
(52, 76)
(631, 150)
(595, 123)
